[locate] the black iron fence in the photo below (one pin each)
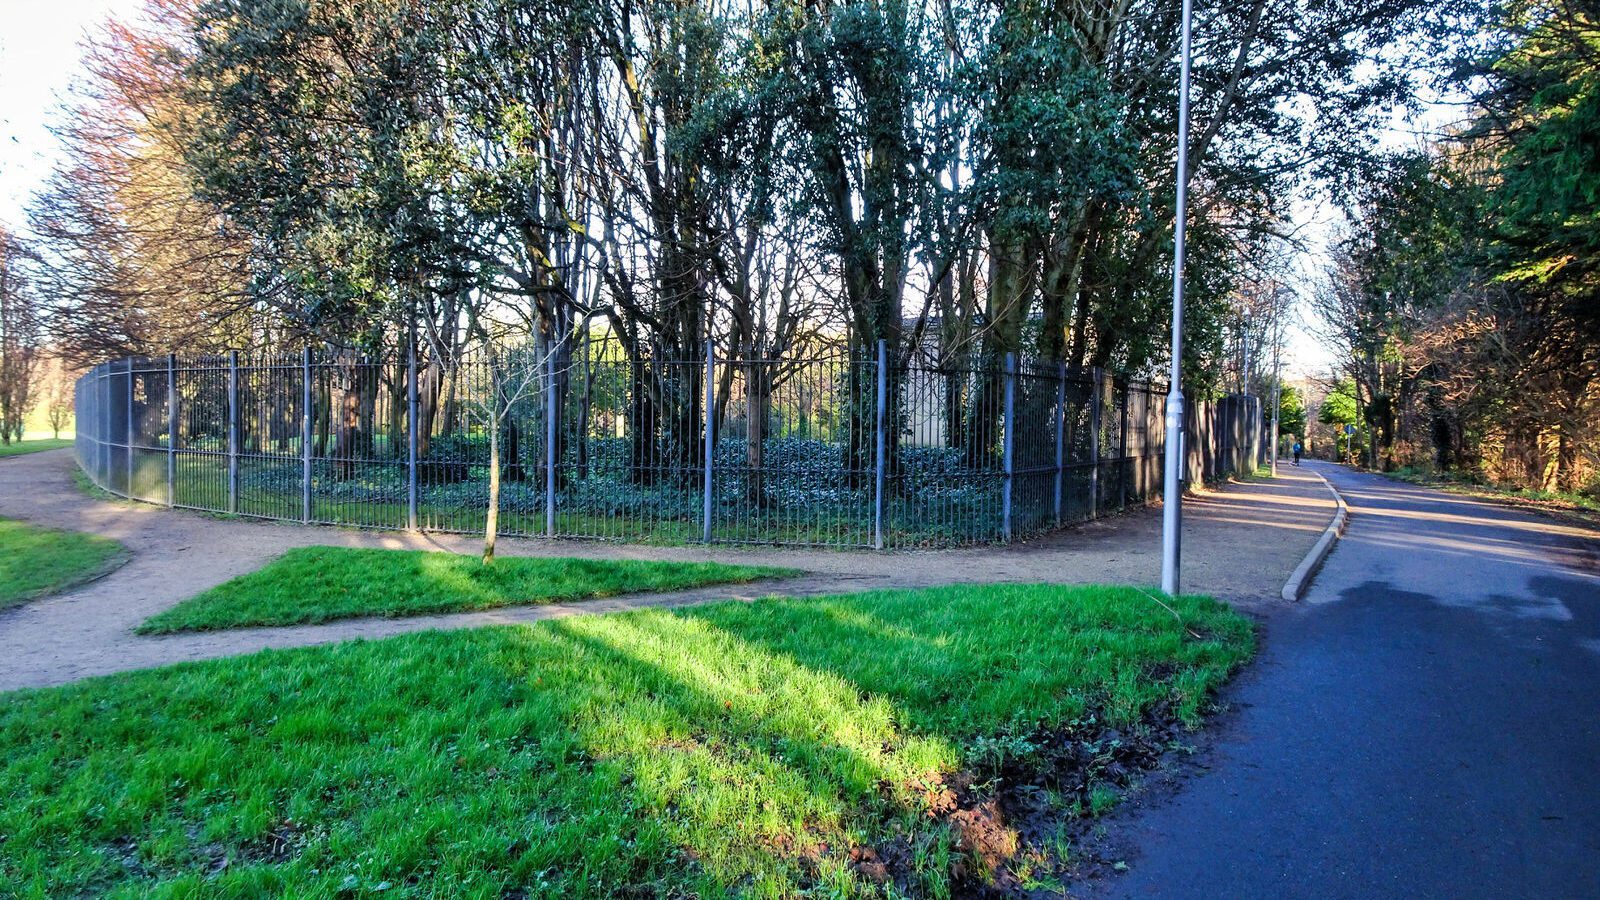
(822, 450)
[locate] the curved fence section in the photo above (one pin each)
(820, 451)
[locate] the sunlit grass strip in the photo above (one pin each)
(1581, 506)
(320, 584)
(33, 445)
(710, 751)
(38, 561)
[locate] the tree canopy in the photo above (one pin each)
(1464, 302)
(984, 176)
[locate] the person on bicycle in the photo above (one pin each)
(1298, 449)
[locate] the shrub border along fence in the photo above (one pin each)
(1065, 448)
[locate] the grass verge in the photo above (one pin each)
(38, 561)
(34, 445)
(929, 742)
(307, 585)
(1568, 506)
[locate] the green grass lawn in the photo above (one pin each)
(319, 584)
(37, 561)
(1570, 505)
(765, 749)
(33, 445)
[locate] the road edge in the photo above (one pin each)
(1295, 587)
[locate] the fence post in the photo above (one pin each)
(102, 443)
(880, 443)
(1097, 381)
(233, 431)
(1122, 447)
(1061, 436)
(550, 442)
(1010, 444)
(131, 428)
(307, 431)
(172, 429)
(411, 434)
(711, 427)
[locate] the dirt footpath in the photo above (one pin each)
(1240, 544)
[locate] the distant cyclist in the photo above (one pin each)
(1297, 451)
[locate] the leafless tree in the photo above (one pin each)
(20, 336)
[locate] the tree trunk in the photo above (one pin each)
(491, 521)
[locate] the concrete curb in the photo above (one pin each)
(1301, 579)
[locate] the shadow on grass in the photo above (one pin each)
(734, 748)
(767, 770)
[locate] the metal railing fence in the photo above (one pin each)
(823, 450)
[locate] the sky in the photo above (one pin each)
(39, 57)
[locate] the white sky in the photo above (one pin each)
(39, 57)
(1318, 222)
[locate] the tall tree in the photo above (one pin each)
(137, 264)
(20, 338)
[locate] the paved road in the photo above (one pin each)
(1427, 724)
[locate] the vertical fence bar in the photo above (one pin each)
(102, 432)
(1010, 444)
(172, 429)
(881, 444)
(307, 435)
(411, 435)
(102, 443)
(1096, 384)
(103, 399)
(130, 430)
(233, 431)
(1122, 447)
(711, 427)
(1061, 436)
(550, 443)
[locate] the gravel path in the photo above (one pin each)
(1240, 543)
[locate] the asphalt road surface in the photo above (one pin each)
(1425, 724)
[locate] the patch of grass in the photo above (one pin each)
(319, 584)
(1262, 472)
(761, 749)
(37, 561)
(88, 488)
(1570, 505)
(33, 445)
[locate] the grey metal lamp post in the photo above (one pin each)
(1172, 487)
